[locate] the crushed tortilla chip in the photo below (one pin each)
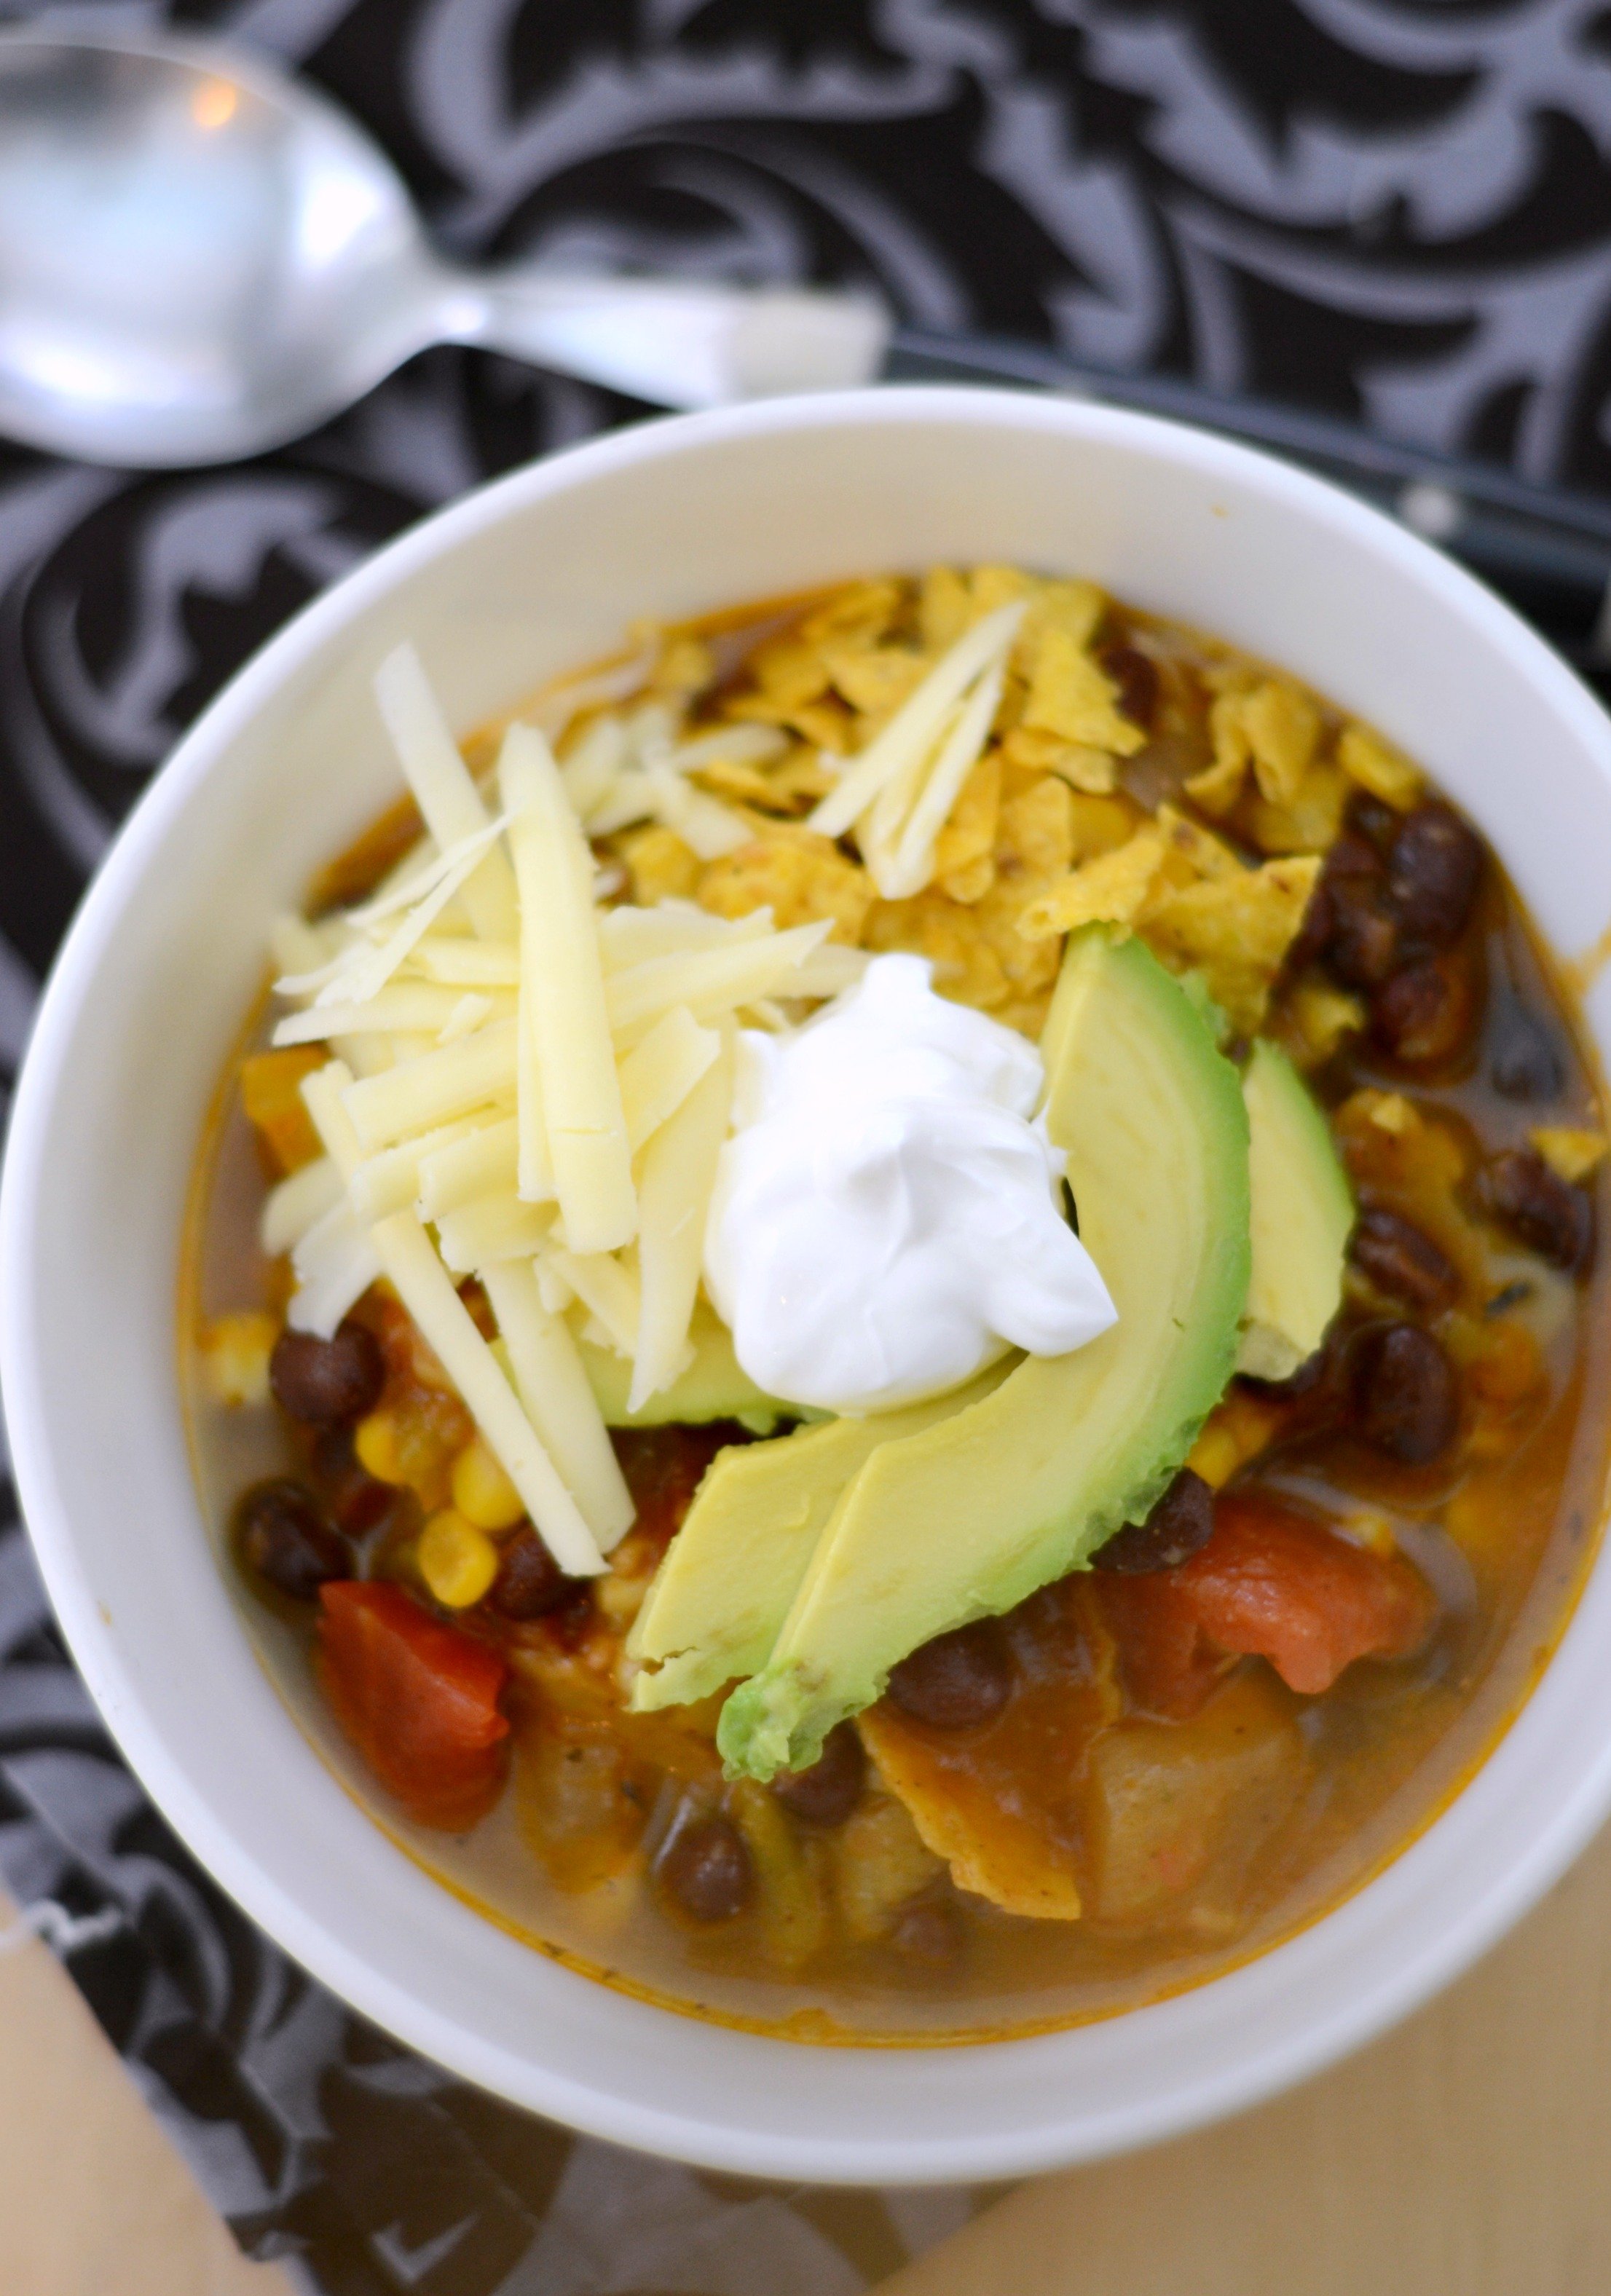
(685, 666)
(789, 673)
(966, 966)
(1571, 1152)
(863, 610)
(876, 678)
(989, 586)
(729, 777)
(1072, 695)
(1036, 830)
(1389, 1112)
(945, 608)
(1314, 1021)
(1204, 854)
(1235, 931)
(1308, 822)
(1101, 824)
(967, 841)
(1376, 766)
(1113, 888)
(661, 867)
(1282, 727)
(797, 874)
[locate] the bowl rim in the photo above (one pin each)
(1403, 1979)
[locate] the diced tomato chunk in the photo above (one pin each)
(1272, 1583)
(418, 1700)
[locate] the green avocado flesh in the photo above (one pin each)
(973, 1513)
(1302, 1213)
(717, 1600)
(713, 1386)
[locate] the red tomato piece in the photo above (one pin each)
(1169, 1670)
(418, 1700)
(1271, 1583)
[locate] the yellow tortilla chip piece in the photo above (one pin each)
(797, 874)
(1283, 726)
(1217, 787)
(1113, 888)
(1036, 830)
(1315, 1019)
(1376, 766)
(1235, 931)
(1309, 822)
(1101, 823)
(1571, 1152)
(945, 608)
(1072, 695)
(1204, 854)
(861, 608)
(661, 867)
(685, 666)
(789, 673)
(876, 678)
(969, 835)
(966, 966)
(989, 586)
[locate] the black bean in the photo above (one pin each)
(1401, 1260)
(529, 1583)
(1523, 1062)
(705, 1867)
(1423, 1016)
(1540, 1208)
(829, 1791)
(357, 1501)
(1433, 871)
(929, 1931)
(1182, 1521)
(327, 1382)
(956, 1682)
(283, 1536)
(1405, 1393)
(1136, 676)
(1361, 945)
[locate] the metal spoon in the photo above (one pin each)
(200, 258)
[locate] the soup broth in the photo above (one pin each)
(1199, 1775)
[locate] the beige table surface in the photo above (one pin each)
(1467, 2154)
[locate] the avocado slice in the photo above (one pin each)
(976, 1512)
(714, 1606)
(1302, 1213)
(712, 1386)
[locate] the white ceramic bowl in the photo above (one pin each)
(534, 573)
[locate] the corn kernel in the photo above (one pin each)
(374, 1440)
(481, 1491)
(235, 1351)
(457, 1562)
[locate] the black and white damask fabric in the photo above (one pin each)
(1395, 210)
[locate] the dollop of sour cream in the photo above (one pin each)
(887, 1216)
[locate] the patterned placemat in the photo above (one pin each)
(1398, 210)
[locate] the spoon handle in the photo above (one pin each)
(683, 343)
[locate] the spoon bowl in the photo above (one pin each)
(200, 258)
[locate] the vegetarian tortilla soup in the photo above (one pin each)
(895, 1320)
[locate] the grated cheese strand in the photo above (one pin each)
(908, 870)
(658, 1074)
(434, 1087)
(291, 1210)
(442, 786)
(558, 1398)
(678, 1175)
(562, 1004)
(406, 1259)
(916, 725)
